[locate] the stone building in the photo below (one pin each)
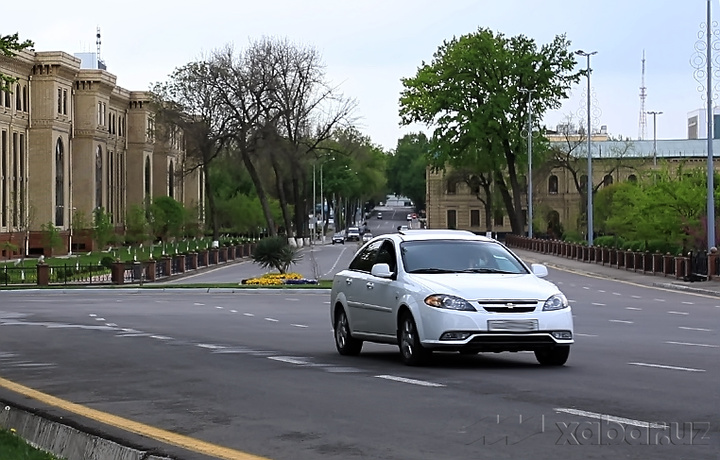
(72, 141)
(452, 203)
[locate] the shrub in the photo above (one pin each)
(107, 261)
(275, 252)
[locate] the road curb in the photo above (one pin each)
(64, 441)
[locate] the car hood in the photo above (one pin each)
(478, 286)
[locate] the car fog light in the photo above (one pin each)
(562, 335)
(455, 336)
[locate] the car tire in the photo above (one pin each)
(344, 342)
(412, 352)
(556, 356)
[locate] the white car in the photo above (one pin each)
(448, 290)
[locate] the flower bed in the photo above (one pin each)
(277, 279)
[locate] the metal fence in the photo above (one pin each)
(79, 274)
(10, 275)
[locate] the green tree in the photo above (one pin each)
(407, 167)
(275, 252)
(472, 95)
(9, 46)
(51, 236)
(103, 228)
(167, 217)
(136, 225)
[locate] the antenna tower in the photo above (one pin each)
(97, 43)
(643, 96)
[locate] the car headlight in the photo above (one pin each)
(448, 302)
(556, 302)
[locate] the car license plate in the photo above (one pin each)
(512, 325)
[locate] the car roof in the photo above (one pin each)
(441, 234)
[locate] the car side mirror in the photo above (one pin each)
(539, 270)
(381, 271)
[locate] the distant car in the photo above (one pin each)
(379, 215)
(353, 234)
(338, 238)
(448, 290)
(409, 217)
(367, 236)
(402, 228)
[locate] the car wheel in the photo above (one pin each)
(553, 357)
(411, 351)
(344, 342)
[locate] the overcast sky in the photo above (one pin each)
(369, 45)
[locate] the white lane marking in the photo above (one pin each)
(636, 297)
(610, 418)
(272, 320)
(133, 334)
(210, 346)
(600, 290)
(410, 381)
(160, 337)
(585, 287)
(100, 319)
(298, 325)
(248, 314)
(616, 293)
(233, 311)
(598, 304)
(662, 366)
(694, 344)
(111, 324)
(92, 315)
(688, 303)
(288, 359)
(198, 304)
(292, 300)
(620, 321)
(327, 302)
(633, 308)
(658, 300)
(219, 308)
(585, 335)
(678, 312)
(695, 329)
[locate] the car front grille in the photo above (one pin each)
(510, 309)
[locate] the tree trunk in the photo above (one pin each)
(262, 196)
(211, 203)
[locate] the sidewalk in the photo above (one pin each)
(711, 288)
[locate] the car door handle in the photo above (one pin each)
(370, 285)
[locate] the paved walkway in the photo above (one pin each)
(604, 271)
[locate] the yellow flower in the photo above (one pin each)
(13, 430)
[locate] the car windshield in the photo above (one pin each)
(458, 256)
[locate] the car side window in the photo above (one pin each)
(386, 255)
(366, 258)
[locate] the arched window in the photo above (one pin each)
(171, 180)
(451, 187)
(147, 177)
(98, 177)
(59, 183)
(553, 184)
(607, 180)
(24, 99)
(18, 98)
(632, 178)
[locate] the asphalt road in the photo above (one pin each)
(257, 372)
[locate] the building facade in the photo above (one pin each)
(556, 196)
(72, 141)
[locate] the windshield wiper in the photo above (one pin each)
(432, 270)
(486, 270)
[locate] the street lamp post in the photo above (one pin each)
(654, 114)
(589, 154)
(710, 164)
(530, 186)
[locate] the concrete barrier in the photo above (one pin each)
(64, 441)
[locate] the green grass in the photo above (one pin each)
(13, 447)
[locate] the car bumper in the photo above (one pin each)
(482, 331)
